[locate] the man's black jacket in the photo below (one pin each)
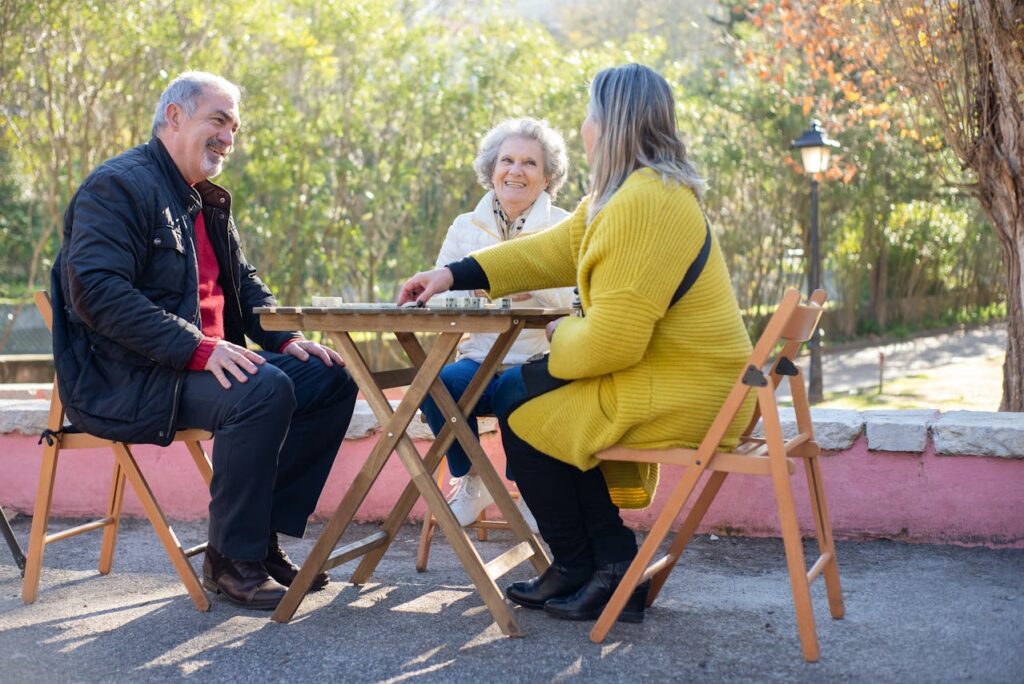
(126, 298)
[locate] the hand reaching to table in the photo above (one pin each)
(425, 285)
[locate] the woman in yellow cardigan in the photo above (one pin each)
(644, 366)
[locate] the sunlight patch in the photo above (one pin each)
(228, 634)
(491, 634)
(423, 657)
(608, 649)
(368, 599)
(78, 643)
(84, 626)
(432, 603)
(418, 673)
(573, 670)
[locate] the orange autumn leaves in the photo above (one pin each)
(834, 60)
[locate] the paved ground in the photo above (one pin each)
(851, 368)
(915, 613)
(958, 369)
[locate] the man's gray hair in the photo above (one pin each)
(186, 91)
(556, 161)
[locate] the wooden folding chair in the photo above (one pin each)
(59, 437)
(792, 324)
(482, 524)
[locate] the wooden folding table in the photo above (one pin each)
(422, 378)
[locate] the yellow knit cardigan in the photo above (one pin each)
(644, 375)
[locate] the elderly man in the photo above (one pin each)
(153, 301)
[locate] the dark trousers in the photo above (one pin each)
(574, 511)
(275, 439)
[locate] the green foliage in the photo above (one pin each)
(361, 121)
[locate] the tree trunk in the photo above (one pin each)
(1013, 366)
(997, 159)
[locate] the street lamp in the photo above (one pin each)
(815, 149)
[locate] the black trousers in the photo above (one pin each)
(275, 438)
(574, 511)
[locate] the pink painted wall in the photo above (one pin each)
(918, 497)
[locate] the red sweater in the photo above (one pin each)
(211, 299)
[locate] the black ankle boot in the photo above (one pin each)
(556, 581)
(590, 600)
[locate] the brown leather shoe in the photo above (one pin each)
(282, 569)
(243, 582)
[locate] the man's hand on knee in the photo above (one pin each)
(228, 358)
(303, 349)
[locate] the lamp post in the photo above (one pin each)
(815, 150)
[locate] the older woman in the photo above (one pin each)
(659, 345)
(521, 163)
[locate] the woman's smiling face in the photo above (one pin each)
(518, 176)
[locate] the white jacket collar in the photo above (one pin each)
(539, 218)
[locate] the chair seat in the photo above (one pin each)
(73, 438)
(751, 462)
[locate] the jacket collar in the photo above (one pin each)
(538, 219)
(204, 193)
(213, 195)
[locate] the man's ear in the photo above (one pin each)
(174, 115)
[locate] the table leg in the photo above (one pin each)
(443, 440)
(421, 472)
(471, 445)
(356, 494)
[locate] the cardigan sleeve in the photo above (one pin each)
(634, 255)
(535, 262)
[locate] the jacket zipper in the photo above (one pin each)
(223, 235)
(174, 404)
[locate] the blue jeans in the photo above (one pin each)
(500, 394)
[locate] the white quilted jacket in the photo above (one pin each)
(476, 230)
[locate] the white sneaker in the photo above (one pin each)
(531, 522)
(469, 498)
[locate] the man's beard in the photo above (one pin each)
(213, 163)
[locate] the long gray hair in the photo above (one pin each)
(187, 89)
(635, 112)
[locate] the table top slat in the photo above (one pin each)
(342, 319)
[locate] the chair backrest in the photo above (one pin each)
(792, 324)
(56, 418)
(45, 307)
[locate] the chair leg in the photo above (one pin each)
(659, 530)
(202, 461)
(40, 521)
(786, 508)
(114, 516)
(426, 536)
(481, 531)
(686, 532)
(797, 566)
(12, 541)
(161, 527)
(429, 524)
(826, 544)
